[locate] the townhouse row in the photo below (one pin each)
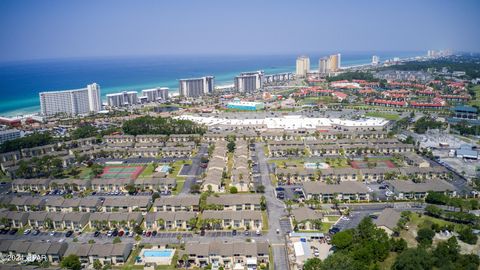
(169, 213)
(356, 191)
(298, 175)
(216, 168)
(229, 255)
(96, 184)
(113, 254)
(336, 149)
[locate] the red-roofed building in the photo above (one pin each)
(339, 95)
(386, 103)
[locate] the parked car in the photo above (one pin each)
(131, 234)
(36, 232)
(27, 231)
(13, 231)
(96, 234)
(115, 233)
(52, 233)
(258, 232)
(154, 233)
(109, 233)
(234, 232)
(148, 234)
(69, 233)
(121, 233)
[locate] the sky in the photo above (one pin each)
(49, 29)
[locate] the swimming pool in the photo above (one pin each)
(320, 165)
(158, 253)
(163, 169)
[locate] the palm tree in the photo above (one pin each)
(184, 259)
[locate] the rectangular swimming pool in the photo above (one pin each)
(158, 253)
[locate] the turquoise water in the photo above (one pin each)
(165, 168)
(166, 253)
(20, 82)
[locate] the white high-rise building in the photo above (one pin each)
(375, 60)
(303, 66)
(339, 61)
(125, 98)
(195, 87)
(323, 65)
(71, 102)
(249, 81)
(155, 94)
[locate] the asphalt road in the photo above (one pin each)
(276, 210)
(195, 169)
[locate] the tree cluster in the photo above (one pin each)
(29, 141)
(425, 123)
(445, 256)
(146, 125)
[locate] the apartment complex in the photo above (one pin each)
(71, 102)
(9, 134)
(249, 81)
(195, 87)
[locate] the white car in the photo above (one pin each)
(109, 233)
(27, 231)
(316, 253)
(258, 232)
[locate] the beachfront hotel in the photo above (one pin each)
(195, 87)
(155, 94)
(71, 102)
(303, 66)
(122, 99)
(249, 81)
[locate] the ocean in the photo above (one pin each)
(20, 82)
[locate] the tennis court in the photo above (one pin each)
(122, 172)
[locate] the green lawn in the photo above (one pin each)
(180, 184)
(476, 101)
(279, 162)
(316, 100)
(265, 220)
(148, 171)
(389, 261)
(3, 177)
(388, 116)
(85, 173)
(333, 219)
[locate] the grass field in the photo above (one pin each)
(148, 171)
(476, 101)
(280, 162)
(3, 177)
(388, 116)
(316, 100)
(389, 261)
(414, 224)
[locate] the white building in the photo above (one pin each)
(71, 102)
(122, 99)
(303, 66)
(195, 87)
(155, 94)
(249, 81)
(323, 65)
(375, 60)
(9, 134)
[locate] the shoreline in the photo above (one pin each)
(32, 110)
